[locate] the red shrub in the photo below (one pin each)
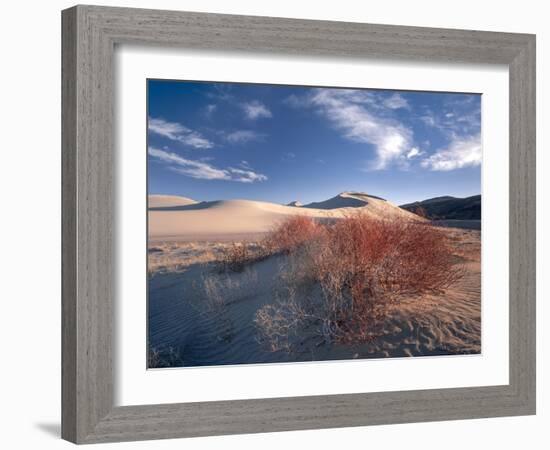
(292, 233)
(399, 257)
(364, 265)
(383, 260)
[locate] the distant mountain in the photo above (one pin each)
(294, 203)
(448, 208)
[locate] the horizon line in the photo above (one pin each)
(315, 201)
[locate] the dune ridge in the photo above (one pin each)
(294, 203)
(163, 201)
(174, 219)
(345, 200)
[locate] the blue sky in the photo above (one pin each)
(216, 141)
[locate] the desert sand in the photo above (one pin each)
(162, 201)
(182, 219)
(198, 316)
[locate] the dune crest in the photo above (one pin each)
(164, 201)
(294, 203)
(345, 200)
(246, 218)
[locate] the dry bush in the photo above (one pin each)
(390, 258)
(221, 290)
(363, 265)
(288, 237)
(280, 322)
(373, 263)
(291, 234)
(215, 290)
(238, 256)
(235, 257)
(174, 257)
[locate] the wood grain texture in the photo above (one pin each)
(89, 36)
(522, 282)
(88, 209)
(68, 225)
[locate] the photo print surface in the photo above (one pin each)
(295, 223)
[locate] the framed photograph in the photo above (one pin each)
(277, 224)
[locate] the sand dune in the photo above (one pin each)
(346, 200)
(162, 201)
(199, 315)
(170, 218)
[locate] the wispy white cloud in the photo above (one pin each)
(348, 111)
(453, 124)
(195, 169)
(429, 119)
(203, 170)
(370, 117)
(295, 101)
(459, 123)
(209, 109)
(462, 117)
(221, 91)
(245, 175)
(461, 152)
(255, 110)
(396, 101)
(382, 103)
(243, 136)
(414, 153)
(170, 130)
(178, 132)
(288, 156)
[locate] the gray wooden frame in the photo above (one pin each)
(89, 36)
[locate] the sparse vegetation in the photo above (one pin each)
(362, 266)
(235, 257)
(337, 282)
(280, 322)
(174, 257)
(291, 234)
(220, 290)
